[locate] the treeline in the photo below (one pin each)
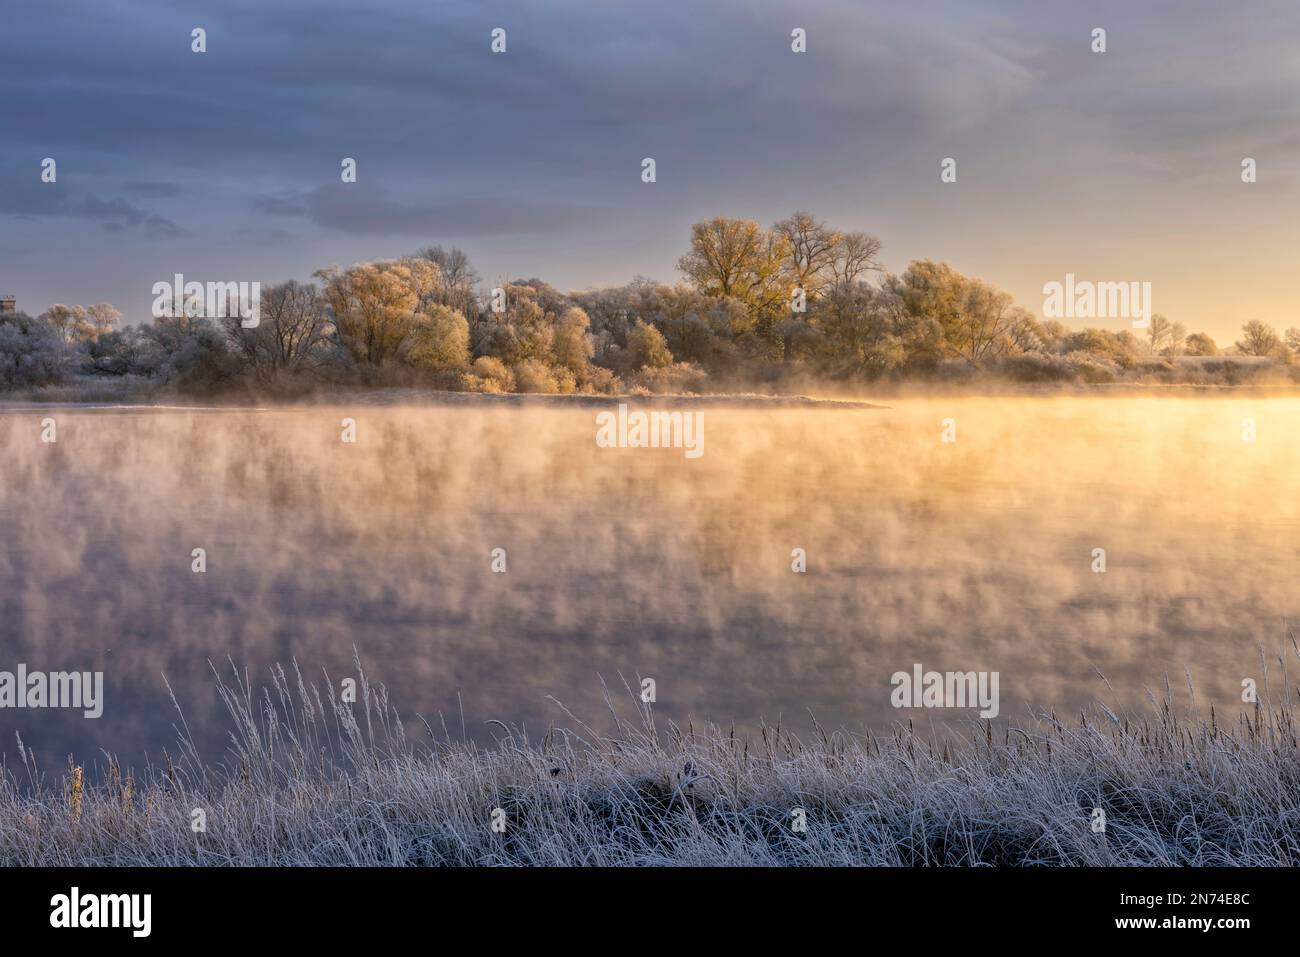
(758, 308)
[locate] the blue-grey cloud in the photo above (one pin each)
(372, 211)
(29, 198)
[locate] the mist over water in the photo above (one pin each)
(968, 556)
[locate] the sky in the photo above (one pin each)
(225, 165)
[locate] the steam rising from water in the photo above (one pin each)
(973, 556)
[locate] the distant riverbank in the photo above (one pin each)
(100, 395)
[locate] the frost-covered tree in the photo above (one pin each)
(374, 304)
(737, 258)
(647, 348)
(1258, 339)
(1200, 344)
(292, 334)
(438, 340)
(811, 248)
(32, 352)
(189, 352)
(571, 347)
(79, 324)
(459, 278)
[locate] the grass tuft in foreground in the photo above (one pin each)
(310, 781)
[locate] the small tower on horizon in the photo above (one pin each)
(8, 303)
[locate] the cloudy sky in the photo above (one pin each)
(225, 165)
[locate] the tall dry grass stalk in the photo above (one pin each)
(77, 789)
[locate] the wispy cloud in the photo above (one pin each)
(372, 211)
(35, 200)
